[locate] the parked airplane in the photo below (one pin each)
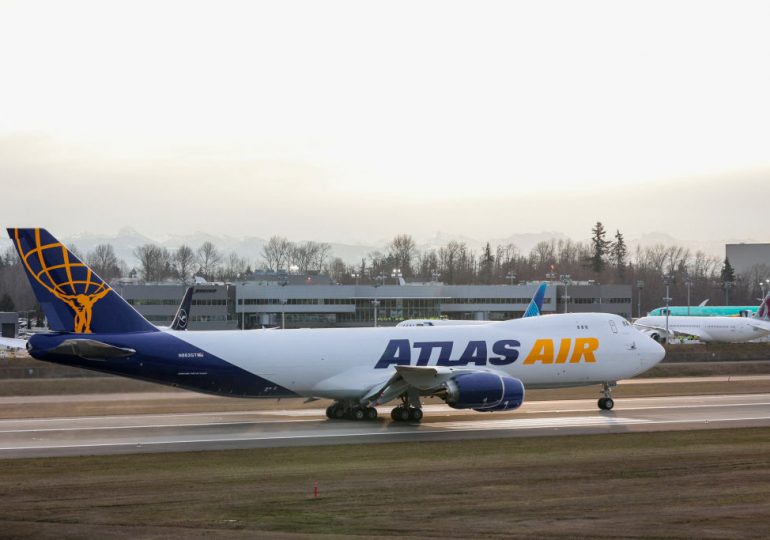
(534, 308)
(702, 310)
(484, 368)
(727, 329)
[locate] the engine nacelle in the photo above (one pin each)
(484, 392)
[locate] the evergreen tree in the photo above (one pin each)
(599, 247)
(487, 264)
(728, 274)
(618, 253)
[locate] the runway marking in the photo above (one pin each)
(535, 407)
(529, 423)
(619, 422)
(148, 426)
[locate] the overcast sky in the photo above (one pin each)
(344, 121)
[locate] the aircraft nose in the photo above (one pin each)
(652, 352)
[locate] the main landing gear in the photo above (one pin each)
(606, 403)
(338, 411)
(407, 412)
(351, 411)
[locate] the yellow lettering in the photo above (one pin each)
(542, 351)
(563, 350)
(584, 348)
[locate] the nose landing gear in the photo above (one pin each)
(606, 403)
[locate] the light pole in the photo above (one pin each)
(379, 281)
(284, 281)
(668, 280)
(565, 278)
(763, 287)
(728, 285)
(511, 276)
(375, 303)
(639, 287)
(688, 284)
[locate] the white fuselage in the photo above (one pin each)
(547, 351)
(727, 329)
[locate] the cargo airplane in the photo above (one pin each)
(483, 367)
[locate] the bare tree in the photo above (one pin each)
(154, 261)
(309, 255)
(183, 263)
(234, 267)
(208, 259)
(276, 253)
(337, 269)
(402, 250)
(104, 262)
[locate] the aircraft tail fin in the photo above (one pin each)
(73, 297)
(183, 313)
(535, 306)
(763, 313)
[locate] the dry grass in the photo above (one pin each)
(654, 485)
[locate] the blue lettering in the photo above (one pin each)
(396, 353)
(426, 348)
(475, 353)
(399, 353)
(506, 348)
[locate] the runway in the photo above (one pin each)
(123, 434)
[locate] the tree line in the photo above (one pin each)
(603, 259)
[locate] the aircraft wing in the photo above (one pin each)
(758, 324)
(419, 378)
(652, 329)
(13, 343)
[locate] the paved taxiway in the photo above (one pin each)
(270, 428)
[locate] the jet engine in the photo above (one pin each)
(484, 392)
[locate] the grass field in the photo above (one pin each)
(704, 484)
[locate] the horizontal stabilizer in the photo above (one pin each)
(90, 349)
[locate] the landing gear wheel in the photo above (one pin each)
(371, 413)
(330, 411)
(415, 415)
(357, 413)
(400, 414)
(606, 404)
(339, 412)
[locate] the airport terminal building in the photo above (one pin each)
(296, 304)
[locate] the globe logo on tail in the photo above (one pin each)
(64, 276)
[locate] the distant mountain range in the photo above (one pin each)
(250, 247)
